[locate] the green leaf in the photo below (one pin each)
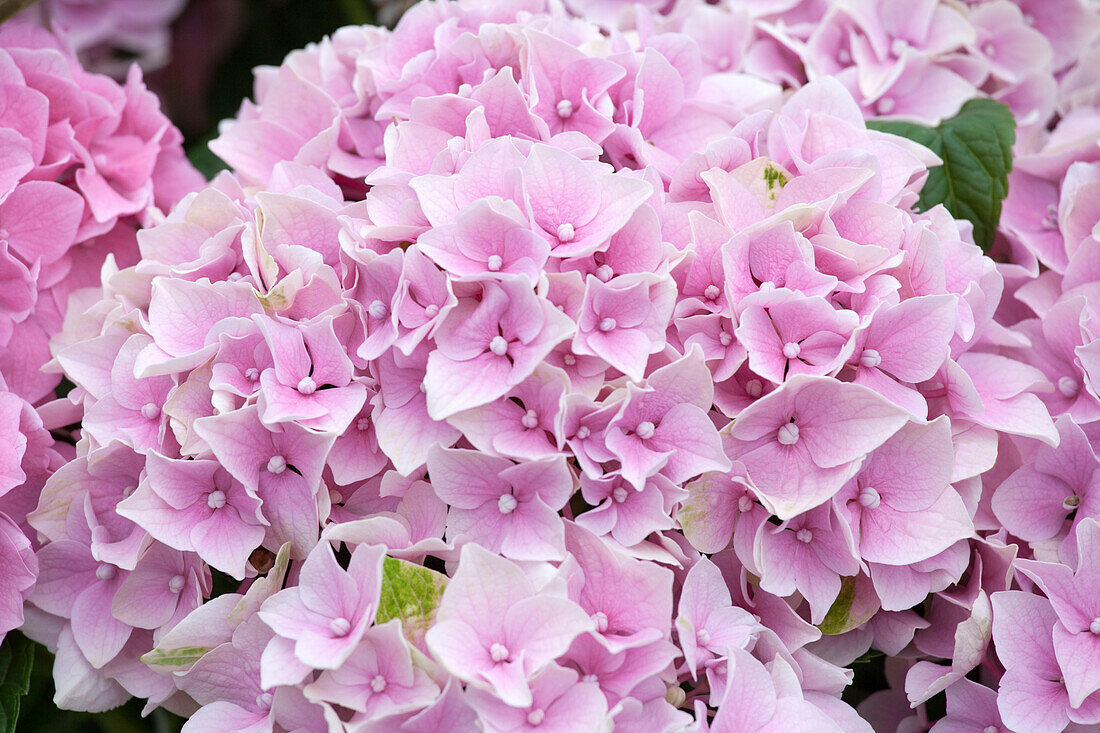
(854, 605)
(976, 149)
(411, 593)
(203, 158)
(16, 661)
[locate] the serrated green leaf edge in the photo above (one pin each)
(410, 593)
(979, 137)
(16, 661)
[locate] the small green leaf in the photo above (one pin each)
(179, 657)
(411, 593)
(854, 605)
(16, 661)
(976, 149)
(204, 159)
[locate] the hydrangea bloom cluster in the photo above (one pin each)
(541, 371)
(83, 163)
(109, 35)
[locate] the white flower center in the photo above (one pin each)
(869, 498)
(566, 232)
(306, 386)
(1068, 386)
(601, 621)
(252, 374)
(619, 495)
(377, 309)
(725, 338)
(702, 637)
(724, 63)
(176, 583)
(150, 411)
(378, 684)
(105, 571)
(276, 465)
(791, 350)
(583, 432)
(215, 499)
(263, 701)
(607, 324)
(645, 430)
(989, 49)
(744, 504)
(362, 424)
(535, 716)
(530, 420)
(507, 504)
(870, 358)
(754, 388)
(711, 292)
(569, 360)
(495, 262)
(1094, 627)
(564, 109)
(885, 106)
(804, 535)
(604, 273)
(498, 652)
(339, 626)
(788, 434)
(499, 345)
(431, 310)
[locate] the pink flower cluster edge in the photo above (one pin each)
(576, 366)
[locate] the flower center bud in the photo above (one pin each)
(898, 46)
(507, 504)
(607, 324)
(431, 310)
(619, 495)
(105, 571)
(1068, 386)
(335, 496)
(564, 109)
(1050, 219)
(362, 424)
(377, 309)
(263, 701)
(494, 263)
(306, 386)
(869, 497)
(989, 49)
(339, 626)
(885, 106)
(535, 716)
(583, 432)
(754, 388)
(1071, 502)
(991, 729)
(150, 411)
(870, 358)
(1094, 627)
(604, 273)
(569, 360)
(215, 499)
(530, 420)
(566, 232)
(725, 338)
(378, 684)
(703, 637)
(498, 652)
(252, 374)
(788, 434)
(645, 430)
(276, 465)
(499, 345)
(744, 504)
(804, 536)
(590, 678)
(176, 583)
(711, 292)
(844, 56)
(791, 350)
(601, 621)
(724, 63)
